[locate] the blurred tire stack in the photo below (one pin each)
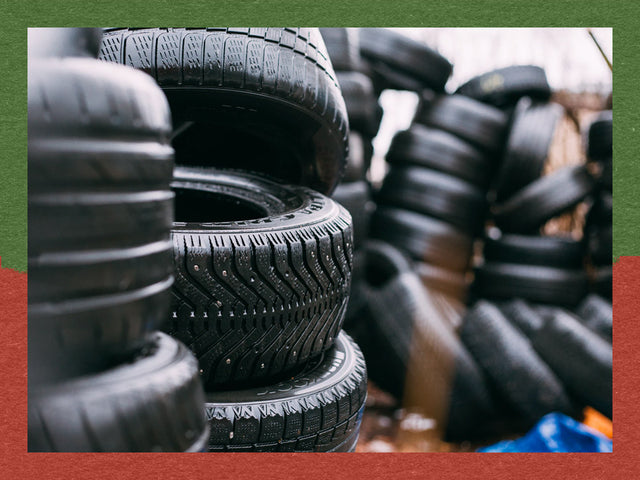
(237, 252)
(475, 191)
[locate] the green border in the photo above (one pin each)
(18, 15)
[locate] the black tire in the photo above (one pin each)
(527, 147)
(559, 252)
(362, 104)
(408, 330)
(411, 58)
(601, 212)
(580, 358)
(597, 315)
(317, 410)
(606, 176)
(602, 282)
(343, 46)
(435, 194)
(153, 403)
(356, 198)
(479, 124)
(267, 98)
(503, 87)
(548, 285)
(423, 238)
(601, 245)
(64, 42)
(441, 151)
(543, 199)
(263, 273)
(600, 137)
(100, 212)
(453, 284)
(357, 163)
(513, 367)
(522, 316)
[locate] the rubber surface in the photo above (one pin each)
(410, 57)
(266, 97)
(361, 101)
(514, 368)
(356, 198)
(152, 403)
(600, 241)
(263, 273)
(100, 211)
(559, 252)
(423, 238)
(63, 42)
(580, 358)
(357, 163)
(596, 314)
(602, 282)
(527, 148)
(521, 315)
(343, 46)
(600, 137)
(317, 410)
(434, 194)
(479, 124)
(544, 199)
(441, 151)
(536, 284)
(503, 87)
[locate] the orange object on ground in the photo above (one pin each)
(597, 421)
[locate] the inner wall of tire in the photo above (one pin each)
(192, 205)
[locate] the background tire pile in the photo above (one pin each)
(237, 253)
(466, 307)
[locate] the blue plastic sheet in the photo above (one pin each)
(556, 433)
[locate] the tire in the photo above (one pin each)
(357, 163)
(153, 403)
(522, 316)
(597, 315)
(317, 410)
(362, 104)
(511, 364)
(411, 58)
(439, 150)
(356, 198)
(580, 358)
(548, 285)
(606, 176)
(263, 273)
(267, 98)
(601, 245)
(544, 199)
(343, 47)
(477, 123)
(408, 331)
(602, 282)
(600, 137)
(558, 252)
(503, 87)
(100, 212)
(527, 147)
(601, 212)
(436, 195)
(63, 42)
(423, 238)
(453, 284)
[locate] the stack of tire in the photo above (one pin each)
(598, 228)
(262, 257)
(101, 377)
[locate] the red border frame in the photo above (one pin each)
(16, 462)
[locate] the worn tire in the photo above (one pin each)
(532, 129)
(100, 212)
(317, 410)
(423, 238)
(439, 150)
(267, 98)
(543, 199)
(513, 367)
(435, 194)
(343, 46)
(477, 123)
(263, 273)
(153, 403)
(406, 56)
(63, 42)
(537, 284)
(361, 101)
(503, 87)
